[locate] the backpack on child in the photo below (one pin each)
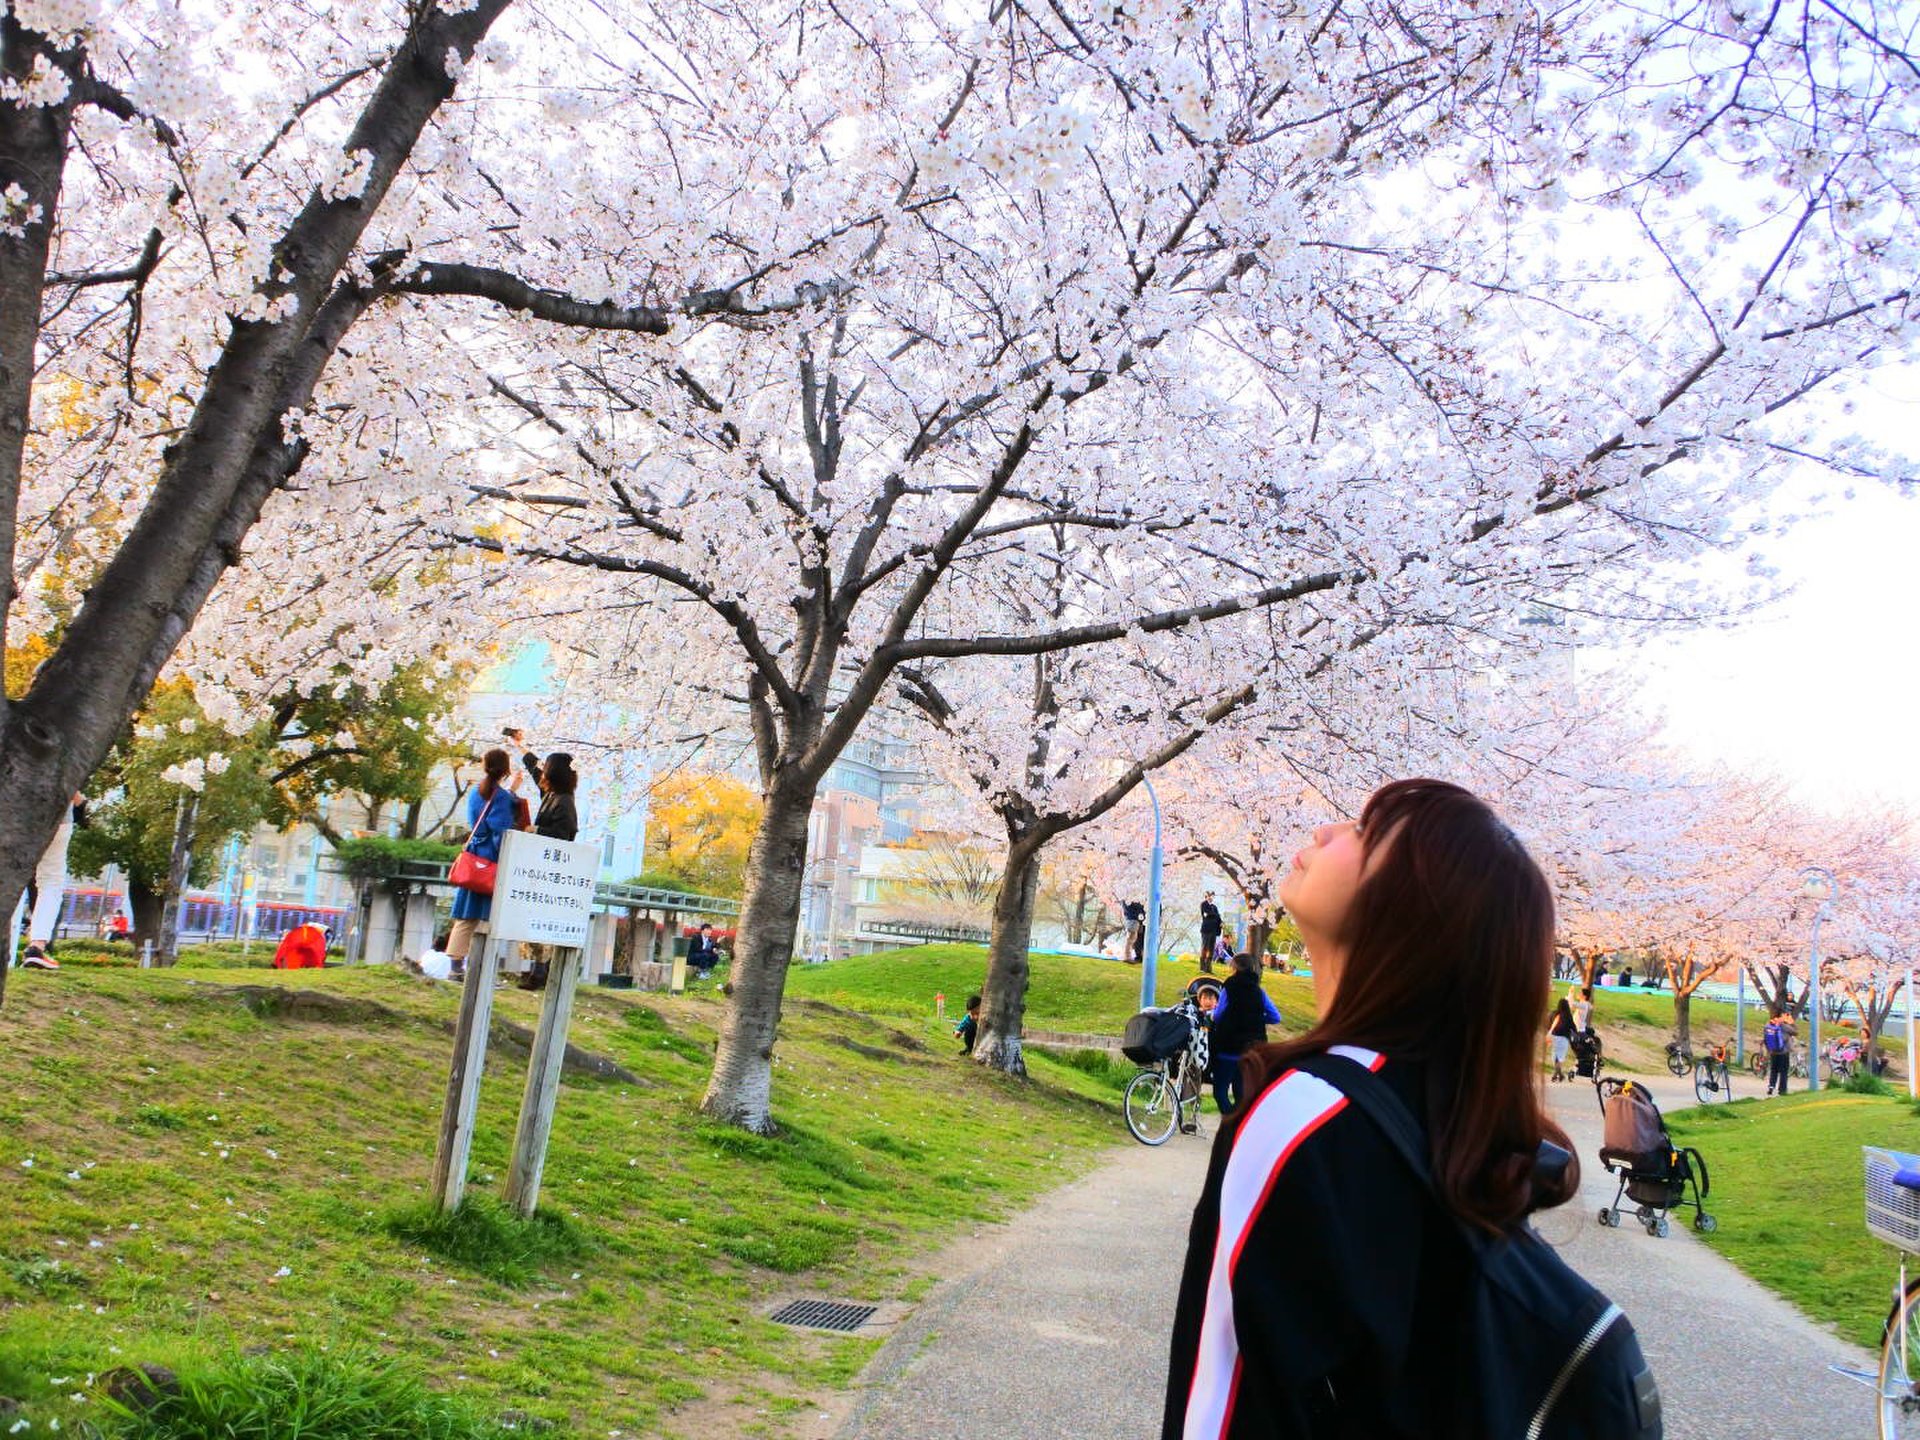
(1774, 1037)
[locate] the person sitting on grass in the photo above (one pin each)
(969, 1027)
(437, 964)
(703, 953)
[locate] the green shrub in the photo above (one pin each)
(488, 1238)
(339, 1395)
(83, 950)
(1101, 1064)
(229, 954)
(375, 857)
(662, 880)
(1865, 1082)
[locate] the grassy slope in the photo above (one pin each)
(184, 1150)
(1067, 992)
(1788, 1187)
(1095, 997)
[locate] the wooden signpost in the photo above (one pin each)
(543, 893)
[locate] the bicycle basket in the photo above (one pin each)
(1155, 1035)
(1893, 1211)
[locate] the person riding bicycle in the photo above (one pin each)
(1777, 1040)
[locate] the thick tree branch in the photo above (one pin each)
(1073, 637)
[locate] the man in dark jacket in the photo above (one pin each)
(702, 952)
(1136, 917)
(1209, 931)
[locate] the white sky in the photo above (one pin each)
(1824, 688)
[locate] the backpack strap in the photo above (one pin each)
(1377, 1100)
(1373, 1097)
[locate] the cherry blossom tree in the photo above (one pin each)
(792, 338)
(1882, 903)
(189, 220)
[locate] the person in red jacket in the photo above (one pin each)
(304, 947)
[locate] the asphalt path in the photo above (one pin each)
(1055, 1325)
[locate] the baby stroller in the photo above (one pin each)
(1587, 1058)
(1656, 1177)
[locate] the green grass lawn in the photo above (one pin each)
(1788, 1190)
(1074, 993)
(194, 1183)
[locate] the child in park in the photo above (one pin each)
(969, 1026)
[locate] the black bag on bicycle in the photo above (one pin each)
(1545, 1355)
(1155, 1035)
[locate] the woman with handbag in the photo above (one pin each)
(490, 812)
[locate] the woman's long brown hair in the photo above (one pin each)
(1449, 956)
(495, 766)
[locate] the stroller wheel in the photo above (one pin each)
(1607, 1217)
(1646, 1215)
(1705, 1224)
(1658, 1228)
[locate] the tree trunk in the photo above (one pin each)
(1683, 1017)
(232, 455)
(143, 905)
(1003, 996)
(1259, 932)
(179, 862)
(741, 1090)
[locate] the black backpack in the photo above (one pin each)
(1546, 1355)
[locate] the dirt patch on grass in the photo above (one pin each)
(320, 1007)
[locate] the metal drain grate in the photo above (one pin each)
(825, 1315)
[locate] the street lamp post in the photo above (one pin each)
(1817, 884)
(1152, 956)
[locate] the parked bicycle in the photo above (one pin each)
(1165, 1095)
(1796, 1063)
(1893, 1215)
(1712, 1076)
(1842, 1058)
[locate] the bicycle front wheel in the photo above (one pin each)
(1152, 1107)
(1899, 1359)
(1709, 1082)
(1758, 1064)
(1677, 1061)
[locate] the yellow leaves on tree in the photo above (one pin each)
(699, 829)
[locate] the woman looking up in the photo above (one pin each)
(557, 819)
(1320, 1295)
(490, 814)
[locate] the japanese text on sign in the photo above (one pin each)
(544, 889)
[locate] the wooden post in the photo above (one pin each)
(543, 1083)
(463, 1080)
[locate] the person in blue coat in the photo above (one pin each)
(490, 813)
(1240, 1019)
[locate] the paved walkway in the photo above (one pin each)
(1055, 1325)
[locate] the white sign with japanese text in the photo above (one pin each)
(543, 890)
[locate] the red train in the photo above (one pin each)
(204, 916)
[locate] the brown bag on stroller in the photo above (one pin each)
(1632, 1124)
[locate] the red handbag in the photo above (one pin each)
(472, 872)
